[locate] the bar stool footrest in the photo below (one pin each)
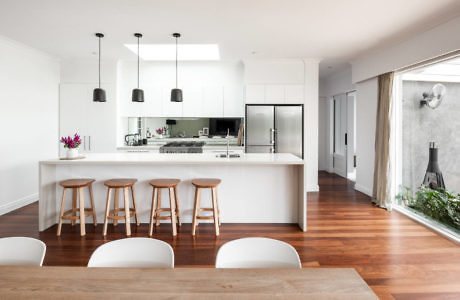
(77, 212)
(112, 215)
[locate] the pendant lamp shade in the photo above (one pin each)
(138, 94)
(176, 94)
(98, 93)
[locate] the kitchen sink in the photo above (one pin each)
(235, 155)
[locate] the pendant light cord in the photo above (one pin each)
(176, 62)
(99, 62)
(137, 62)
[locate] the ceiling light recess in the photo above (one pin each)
(167, 52)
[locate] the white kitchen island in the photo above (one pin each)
(255, 188)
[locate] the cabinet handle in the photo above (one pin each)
(89, 138)
(84, 142)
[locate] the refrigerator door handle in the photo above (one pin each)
(272, 136)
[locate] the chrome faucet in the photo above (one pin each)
(228, 141)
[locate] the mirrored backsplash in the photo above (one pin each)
(180, 127)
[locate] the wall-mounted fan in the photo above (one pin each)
(434, 98)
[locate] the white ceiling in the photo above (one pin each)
(334, 30)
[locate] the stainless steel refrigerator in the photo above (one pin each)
(274, 129)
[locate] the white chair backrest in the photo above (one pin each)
(257, 253)
(133, 253)
(21, 251)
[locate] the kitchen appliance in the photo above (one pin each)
(182, 147)
(274, 129)
(220, 126)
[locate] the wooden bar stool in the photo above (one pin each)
(206, 183)
(155, 212)
(77, 186)
(125, 184)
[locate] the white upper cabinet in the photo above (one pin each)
(213, 101)
(294, 94)
(153, 102)
(274, 94)
(94, 121)
(233, 102)
(255, 94)
(171, 109)
(192, 105)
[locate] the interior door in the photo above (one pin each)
(288, 124)
(340, 135)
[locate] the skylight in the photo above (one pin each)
(168, 51)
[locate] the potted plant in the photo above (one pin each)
(71, 144)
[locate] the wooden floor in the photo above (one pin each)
(396, 256)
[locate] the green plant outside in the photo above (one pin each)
(441, 205)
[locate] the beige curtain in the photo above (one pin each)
(381, 194)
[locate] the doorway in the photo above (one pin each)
(344, 131)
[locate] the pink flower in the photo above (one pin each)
(71, 143)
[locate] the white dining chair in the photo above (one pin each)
(257, 252)
(21, 251)
(133, 253)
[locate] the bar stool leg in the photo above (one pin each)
(107, 208)
(82, 212)
(158, 207)
(218, 210)
(173, 211)
(74, 205)
(115, 206)
(127, 221)
(215, 212)
(177, 206)
(91, 196)
(152, 210)
(196, 209)
(134, 205)
(62, 212)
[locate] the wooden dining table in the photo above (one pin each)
(17, 282)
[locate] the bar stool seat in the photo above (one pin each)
(155, 212)
(77, 185)
(112, 214)
(206, 183)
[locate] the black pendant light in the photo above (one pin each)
(98, 93)
(176, 94)
(138, 94)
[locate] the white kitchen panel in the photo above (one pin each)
(127, 107)
(193, 102)
(153, 104)
(171, 109)
(255, 94)
(233, 101)
(274, 94)
(294, 94)
(213, 101)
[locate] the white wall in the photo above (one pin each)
(322, 133)
(366, 111)
(294, 71)
(430, 44)
(29, 85)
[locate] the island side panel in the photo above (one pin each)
(247, 194)
(47, 215)
(302, 198)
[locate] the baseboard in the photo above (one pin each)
(312, 188)
(6, 208)
(363, 189)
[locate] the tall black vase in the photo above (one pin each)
(433, 176)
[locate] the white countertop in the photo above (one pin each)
(179, 159)
(157, 147)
